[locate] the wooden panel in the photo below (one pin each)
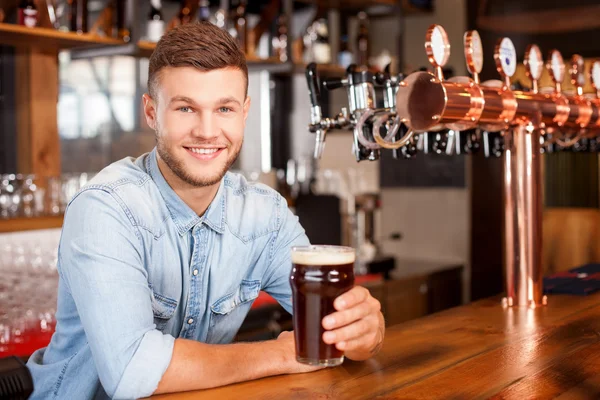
(30, 224)
(570, 238)
(445, 290)
(38, 143)
(476, 351)
(556, 20)
(571, 179)
(406, 299)
(45, 38)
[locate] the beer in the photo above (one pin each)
(319, 275)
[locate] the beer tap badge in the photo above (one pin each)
(557, 66)
(534, 62)
(508, 57)
(595, 74)
(437, 46)
(473, 52)
(577, 68)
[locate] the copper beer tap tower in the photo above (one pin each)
(395, 112)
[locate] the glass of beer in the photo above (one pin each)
(319, 275)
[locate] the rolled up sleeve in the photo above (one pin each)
(101, 260)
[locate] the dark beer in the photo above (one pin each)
(319, 275)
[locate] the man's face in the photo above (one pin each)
(199, 119)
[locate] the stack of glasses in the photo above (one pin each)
(34, 196)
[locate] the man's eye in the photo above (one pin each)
(225, 109)
(185, 109)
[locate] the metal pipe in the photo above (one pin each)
(523, 218)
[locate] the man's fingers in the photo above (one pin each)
(359, 343)
(346, 317)
(350, 332)
(354, 296)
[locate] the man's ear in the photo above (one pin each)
(246, 107)
(149, 110)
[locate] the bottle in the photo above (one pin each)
(240, 25)
(362, 40)
(78, 16)
(220, 19)
(185, 13)
(28, 13)
(321, 48)
(156, 24)
(123, 31)
(204, 10)
(280, 41)
(345, 57)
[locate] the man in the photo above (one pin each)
(161, 257)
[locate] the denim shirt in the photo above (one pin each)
(139, 268)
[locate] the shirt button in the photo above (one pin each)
(190, 321)
(195, 272)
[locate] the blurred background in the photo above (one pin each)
(427, 228)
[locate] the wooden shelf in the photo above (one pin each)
(325, 70)
(18, 35)
(30, 224)
(354, 4)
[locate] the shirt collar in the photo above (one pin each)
(183, 216)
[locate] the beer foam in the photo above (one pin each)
(325, 255)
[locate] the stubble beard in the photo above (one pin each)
(178, 168)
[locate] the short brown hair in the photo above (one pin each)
(201, 45)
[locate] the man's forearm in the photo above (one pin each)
(196, 365)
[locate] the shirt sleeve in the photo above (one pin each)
(289, 234)
(101, 261)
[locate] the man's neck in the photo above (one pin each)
(197, 198)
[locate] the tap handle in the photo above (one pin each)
(312, 79)
(334, 83)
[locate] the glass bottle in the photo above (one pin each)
(362, 40)
(156, 24)
(28, 13)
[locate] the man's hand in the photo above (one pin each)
(357, 327)
(289, 353)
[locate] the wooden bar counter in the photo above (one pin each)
(475, 351)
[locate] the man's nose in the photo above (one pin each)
(206, 128)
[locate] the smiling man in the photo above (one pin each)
(162, 256)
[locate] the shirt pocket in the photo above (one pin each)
(163, 309)
(228, 313)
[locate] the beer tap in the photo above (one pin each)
(580, 108)
(319, 125)
(464, 134)
(534, 67)
(371, 100)
(556, 67)
(437, 47)
(594, 125)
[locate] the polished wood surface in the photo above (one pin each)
(46, 38)
(475, 351)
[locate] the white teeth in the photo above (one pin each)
(203, 151)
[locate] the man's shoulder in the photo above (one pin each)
(237, 185)
(253, 209)
(126, 187)
(127, 171)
